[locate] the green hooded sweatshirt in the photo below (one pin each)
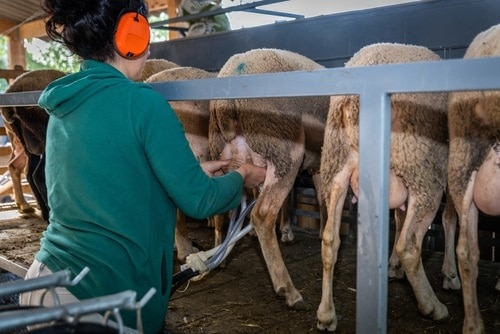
(118, 165)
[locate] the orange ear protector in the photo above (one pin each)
(132, 33)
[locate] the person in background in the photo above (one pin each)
(118, 165)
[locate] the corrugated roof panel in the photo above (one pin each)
(18, 11)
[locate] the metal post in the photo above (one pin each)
(373, 212)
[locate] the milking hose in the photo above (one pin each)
(201, 262)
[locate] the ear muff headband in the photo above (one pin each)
(132, 34)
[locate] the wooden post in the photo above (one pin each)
(16, 51)
(172, 6)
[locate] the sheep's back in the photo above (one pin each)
(30, 123)
(260, 61)
(485, 44)
(265, 61)
(31, 81)
(153, 66)
(34, 80)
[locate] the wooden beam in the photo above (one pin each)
(157, 5)
(13, 267)
(32, 29)
(6, 24)
(27, 30)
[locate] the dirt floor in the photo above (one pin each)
(239, 298)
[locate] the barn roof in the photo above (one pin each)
(25, 17)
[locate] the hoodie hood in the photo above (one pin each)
(66, 94)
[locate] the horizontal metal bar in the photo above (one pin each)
(19, 99)
(274, 13)
(18, 318)
(436, 76)
(60, 278)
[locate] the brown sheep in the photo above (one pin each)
(285, 134)
(194, 117)
(153, 66)
(29, 124)
(17, 165)
(419, 154)
(474, 171)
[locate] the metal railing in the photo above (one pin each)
(374, 85)
(112, 304)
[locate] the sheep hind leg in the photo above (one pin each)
(468, 259)
(36, 178)
(318, 187)
(17, 166)
(409, 251)
(285, 226)
(451, 280)
(395, 268)
(330, 243)
(182, 242)
(263, 217)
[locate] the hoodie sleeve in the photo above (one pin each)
(174, 164)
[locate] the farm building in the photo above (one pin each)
(231, 299)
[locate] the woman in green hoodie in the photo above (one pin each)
(118, 165)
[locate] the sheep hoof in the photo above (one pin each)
(327, 327)
(440, 313)
(287, 236)
(301, 305)
(398, 273)
(27, 210)
(451, 283)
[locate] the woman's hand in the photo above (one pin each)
(215, 168)
(253, 176)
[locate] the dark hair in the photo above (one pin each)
(87, 27)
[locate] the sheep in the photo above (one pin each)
(17, 165)
(153, 66)
(419, 154)
(474, 170)
(284, 134)
(194, 118)
(29, 124)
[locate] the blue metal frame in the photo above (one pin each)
(374, 85)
